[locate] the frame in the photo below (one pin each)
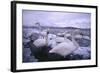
(47, 36)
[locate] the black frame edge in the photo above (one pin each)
(54, 4)
(13, 36)
(96, 35)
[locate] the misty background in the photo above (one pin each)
(56, 19)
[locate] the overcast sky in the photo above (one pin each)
(57, 19)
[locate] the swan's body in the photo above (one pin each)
(59, 39)
(78, 36)
(67, 35)
(48, 40)
(40, 42)
(54, 40)
(65, 48)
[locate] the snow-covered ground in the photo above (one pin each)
(83, 52)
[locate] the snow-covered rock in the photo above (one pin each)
(83, 51)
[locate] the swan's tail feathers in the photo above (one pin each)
(53, 51)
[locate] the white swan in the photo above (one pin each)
(86, 37)
(59, 39)
(78, 36)
(65, 48)
(51, 40)
(40, 42)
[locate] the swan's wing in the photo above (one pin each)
(39, 42)
(63, 49)
(60, 39)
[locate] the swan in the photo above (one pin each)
(43, 38)
(65, 48)
(59, 39)
(86, 37)
(40, 42)
(78, 36)
(81, 36)
(51, 40)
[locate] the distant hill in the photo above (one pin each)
(55, 30)
(55, 27)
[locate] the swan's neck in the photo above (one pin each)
(47, 38)
(74, 41)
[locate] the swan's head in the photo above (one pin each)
(76, 34)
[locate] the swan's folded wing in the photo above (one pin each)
(39, 42)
